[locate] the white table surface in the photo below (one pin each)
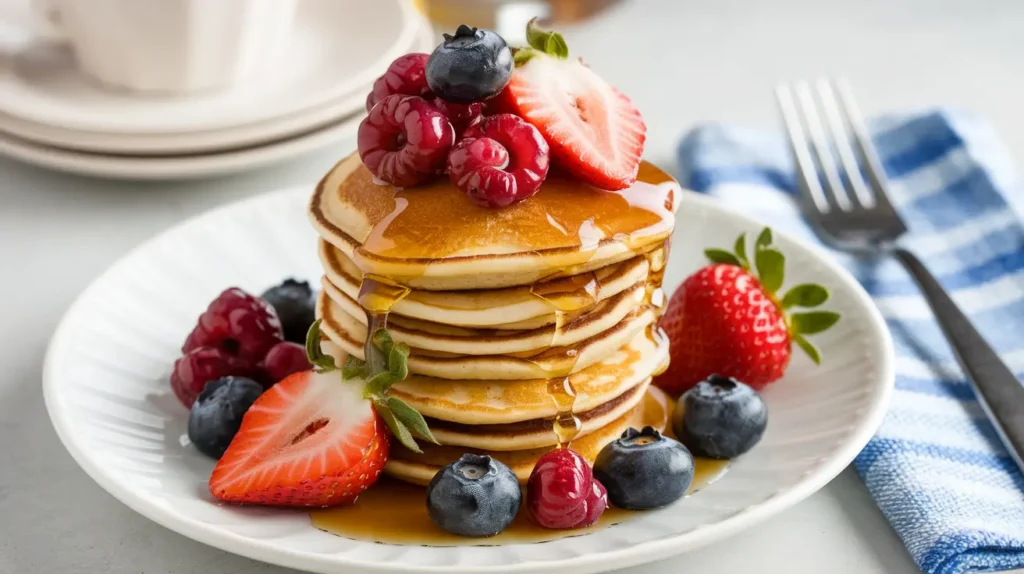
(682, 61)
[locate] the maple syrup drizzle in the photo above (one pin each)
(420, 225)
(377, 295)
(569, 297)
(654, 296)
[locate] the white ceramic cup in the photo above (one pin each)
(170, 46)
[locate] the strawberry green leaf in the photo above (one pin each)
(398, 360)
(813, 322)
(391, 367)
(354, 368)
(377, 356)
(523, 55)
(764, 239)
(808, 348)
(411, 418)
(722, 256)
(551, 43)
(398, 428)
(382, 339)
(805, 295)
(740, 248)
(401, 418)
(771, 268)
(379, 384)
(321, 361)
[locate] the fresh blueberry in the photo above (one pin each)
(720, 418)
(474, 496)
(295, 303)
(643, 469)
(217, 413)
(470, 66)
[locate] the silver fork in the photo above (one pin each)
(855, 215)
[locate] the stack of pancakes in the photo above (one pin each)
(503, 308)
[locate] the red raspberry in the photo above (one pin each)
(461, 116)
(405, 140)
(499, 161)
(202, 365)
(284, 359)
(239, 324)
(562, 492)
(407, 75)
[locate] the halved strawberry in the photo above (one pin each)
(309, 440)
(594, 131)
(319, 438)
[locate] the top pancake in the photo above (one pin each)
(433, 237)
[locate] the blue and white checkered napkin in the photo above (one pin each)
(936, 467)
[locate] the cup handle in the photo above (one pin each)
(41, 19)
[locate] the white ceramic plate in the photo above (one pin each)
(105, 384)
(339, 46)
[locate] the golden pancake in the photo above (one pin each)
(349, 334)
(433, 237)
(534, 433)
(654, 410)
(509, 308)
(468, 341)
(503, 402)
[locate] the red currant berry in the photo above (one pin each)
(285, 359)
(202, 365)
(239, 324)
(405, 140)
(499, 161)
(407, 75)
(562, 492)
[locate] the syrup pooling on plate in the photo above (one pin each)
(393, 512)
(567, 296)
(437, 220)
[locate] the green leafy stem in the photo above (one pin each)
(770, 265)
(387, 363)
(541, 41)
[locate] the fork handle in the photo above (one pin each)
(999, 392)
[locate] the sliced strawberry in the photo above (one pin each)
(594, 131)
(320, 437)
(310, 440)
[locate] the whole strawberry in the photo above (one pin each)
(726, 320)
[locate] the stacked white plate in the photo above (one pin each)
(53, 116)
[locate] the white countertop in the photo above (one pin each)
(682, 61)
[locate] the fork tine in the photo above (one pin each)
(876, 173)
(861, 194)
(807, 172)
(834, 188)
